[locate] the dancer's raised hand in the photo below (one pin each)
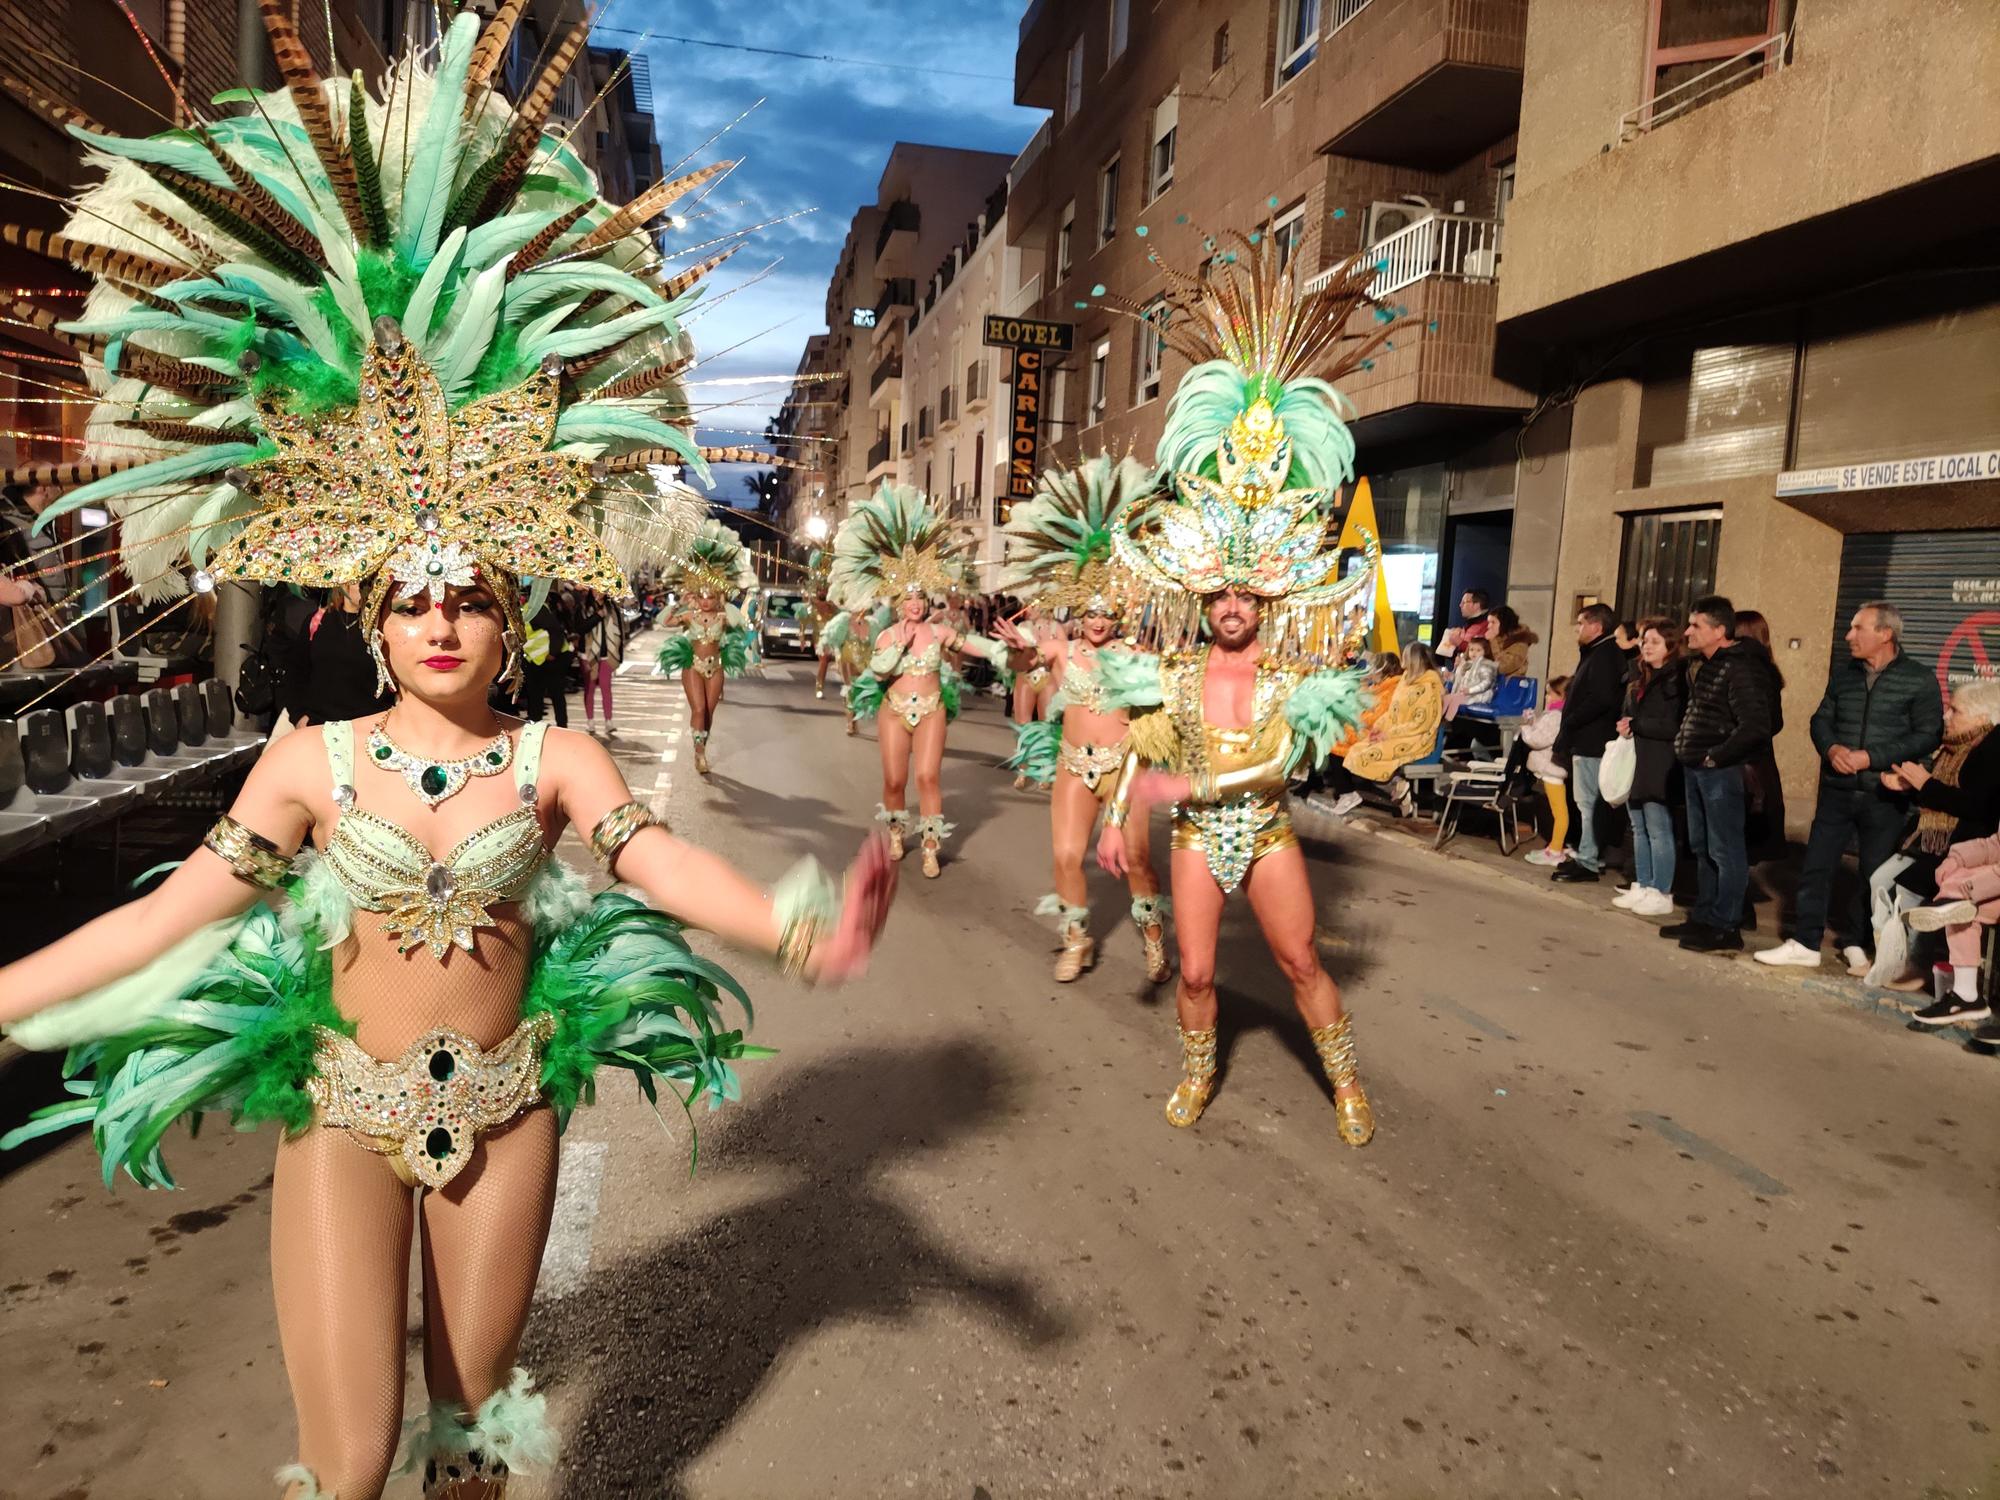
(870, 889)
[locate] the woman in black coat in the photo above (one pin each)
(1655, 695)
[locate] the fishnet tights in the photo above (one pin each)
(342, 1220)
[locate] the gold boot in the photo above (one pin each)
(851, 730)
(895, 840)
(1197, 1083)
(931, 869)
(1079, 952)
(701, 752)
(1154, 939)
(1335, 1045)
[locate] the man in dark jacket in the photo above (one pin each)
(1881, 708)
(1730, 711)
(1591, 710)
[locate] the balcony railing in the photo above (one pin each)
(1343, 12)
(889, 367)
(900, 292)
(1452, 247)
(947, 408)
(977, 390)
(902, 216)
(879, 454)
(1768, 56)
(924, 428)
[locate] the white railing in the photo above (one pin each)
(1768, 56)
(1452, 247)
(1343, 12)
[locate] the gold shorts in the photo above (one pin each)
(912, 708)
(1096, 766)
(1038, 677)
(425, 1109)
(706, 666)
(1232, 836)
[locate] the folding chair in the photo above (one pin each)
(1485, 790)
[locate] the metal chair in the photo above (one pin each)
(1487, 791)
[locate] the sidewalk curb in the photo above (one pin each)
(1864, 1001)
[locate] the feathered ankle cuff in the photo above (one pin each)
(935, 827)
(304, 1478)
(1066, 916)
(1149, 911)
(509, 1431)
(899, 818)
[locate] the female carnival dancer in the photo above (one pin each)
(895, 547)
(371, 357)
(712, 639)
(1059, 546)
(1245, 587)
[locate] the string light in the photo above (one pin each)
(44, 291)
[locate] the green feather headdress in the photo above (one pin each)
(715, 562)
(894, 543)
(318, 359)
(1059, 543)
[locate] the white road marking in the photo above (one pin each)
(579, 1184)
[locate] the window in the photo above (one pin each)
(1066, 241)
(1692, 36)
(1057, 415)
(927, 478)
(1166, 131)
(1152, 347)
(1219, 53)
(978, 465)
(1121, 29)
(1298, 37)
(1107, 202)
(1288, 232)
(1100, 384)
(1073, 82)
(1669, 562)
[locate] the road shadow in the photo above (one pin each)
(812, 825)
(667, 1349)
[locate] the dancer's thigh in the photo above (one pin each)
(483, 1238)
(928, 742)
(1072, 815)
(1198, 904)
(340, 1259)
(892, 736)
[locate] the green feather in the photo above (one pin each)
(198, 463)
(1130, 679)
(435, 151)
(172, 148)
(367, 171)
(1322, 710)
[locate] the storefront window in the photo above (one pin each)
(1410, 508)
(1669, 562)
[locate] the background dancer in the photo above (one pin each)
(1060, 544)
(712, 639)
(438, 993)
(896, 547)
(1253, 449)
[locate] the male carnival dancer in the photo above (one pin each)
(1059, 549)
(1240, 550)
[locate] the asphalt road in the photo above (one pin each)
(1636, 1223)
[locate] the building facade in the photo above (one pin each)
(801, 432)
(925, 199)
(1792, 395)
(950, 379)
(1324, 125)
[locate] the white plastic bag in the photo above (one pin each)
(1615, 773)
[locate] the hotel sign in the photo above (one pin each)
(1024, 434)
(1889, 474)
(1028, 333)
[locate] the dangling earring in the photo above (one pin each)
(384, 683)
(511, 673)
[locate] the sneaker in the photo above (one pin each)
(1545, 856)
(1985, 1037)
(1574, 871)
(1937, 918)
(1346, 803)
(1652, 904)
(1858, 961)
(1792, 952)
(1629, 896)
(1680, 929)
(1951, 1011)
(1713, 940)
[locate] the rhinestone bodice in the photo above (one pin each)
(436, 901)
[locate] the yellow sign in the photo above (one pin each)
(1360, 520)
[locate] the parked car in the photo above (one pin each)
(788, 627)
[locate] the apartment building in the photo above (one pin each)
(1749, 261)
(801, 432)
(1326, 125)
(926, 197)
(949, 376)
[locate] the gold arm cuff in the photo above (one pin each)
(615, 830)
(1120, 804)
(251, 857)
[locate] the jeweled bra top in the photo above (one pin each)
(706, 627)
(438, 902)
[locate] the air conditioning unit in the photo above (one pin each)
(1479, 265)
(1385, 219)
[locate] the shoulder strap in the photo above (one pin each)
(528, 754)
(339, 739)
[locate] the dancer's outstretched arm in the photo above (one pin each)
(706, 891)
(206, 888)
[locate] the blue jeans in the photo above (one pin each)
(1653, 846)
(1716, 807)
(1583, 771)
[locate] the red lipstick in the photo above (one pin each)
(442, 663)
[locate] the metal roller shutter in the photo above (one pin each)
(1946, 583)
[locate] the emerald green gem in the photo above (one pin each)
(383, 752)
(432, 781)
(494, 757)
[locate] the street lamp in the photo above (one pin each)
(816, 528)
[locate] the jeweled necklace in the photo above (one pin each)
(432, 781)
